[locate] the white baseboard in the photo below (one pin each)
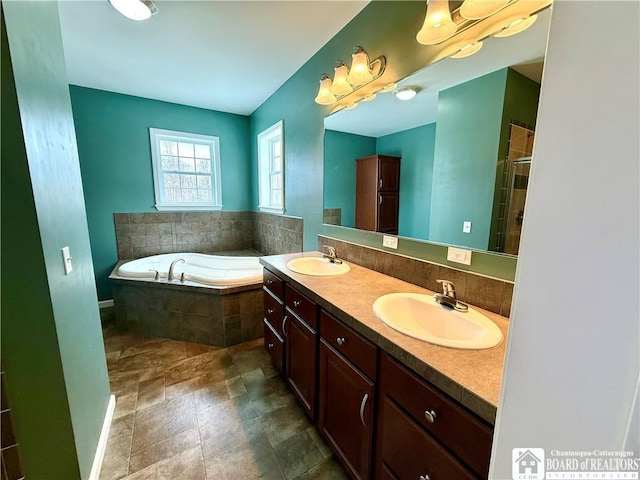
(102, 442)
(105, 303)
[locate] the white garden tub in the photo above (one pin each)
(216, 270)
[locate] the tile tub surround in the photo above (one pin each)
(485, 292)
(219, 316)
(152, 233)
(472, 377)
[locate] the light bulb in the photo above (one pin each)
(360, 72)
(438, 25)
(325, 97)
(478, 9)
(340, 86)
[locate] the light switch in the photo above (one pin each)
(66, 260)
(466, 227)
(389, 241)
(459, 255)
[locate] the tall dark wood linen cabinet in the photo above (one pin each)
(378, 193)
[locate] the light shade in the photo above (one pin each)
(135, 9)
(478, 9)
(360, 72)
(468, 50)
(438, 25)
(516, 25)
(407, 93)
(325, 97)
(340, 86)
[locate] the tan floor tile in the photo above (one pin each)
(163, 450)
(115, 463)
(125, 405)
(283, 423)
(150, 392)
(252, 461)
(297, 454)
(185, 465)
(225, 416)
(327, 470)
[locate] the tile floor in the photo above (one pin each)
(194, 412)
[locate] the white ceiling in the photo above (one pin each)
(222, 55)
(386, 114)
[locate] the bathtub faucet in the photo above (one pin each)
(172, 266)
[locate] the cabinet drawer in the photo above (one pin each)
(467, 436)
(273, 311)
(360, 351)
(273, 283)
(302, 306)
(408, 452)
(274, 345)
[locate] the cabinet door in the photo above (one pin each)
(274, 345)
(346, 411)
(301, 366)
(388, 204)
(406, 451)
(388, 174)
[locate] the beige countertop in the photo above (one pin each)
(472, 377)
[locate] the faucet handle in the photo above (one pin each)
(448, 288)
(331, 251)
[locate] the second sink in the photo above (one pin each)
(317, 266)
(419, 316)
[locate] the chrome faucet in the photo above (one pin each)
(448, 297)
(172, 266)
(331, 254)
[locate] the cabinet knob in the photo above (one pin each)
(430, 415)
(270, 345)
(269, 282)
(341, 340)
(425, 477)
(270, 311)
(296, 303)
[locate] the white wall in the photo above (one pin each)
(573, 351)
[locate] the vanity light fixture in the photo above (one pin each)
(437, 26)
(368, 98)
(135, 9)
(468, 50)
(407, 93)
(347, 80)
(389, 88)
(479, 9)
(516, 25)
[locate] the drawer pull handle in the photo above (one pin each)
(271, 345)
(430, 415)
(379, 199)
(341, 340)
(380, 183)
(270, 311)
(296, 303)
(284, 323)
(362, 405)
(425, 477)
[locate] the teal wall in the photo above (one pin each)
(52, 346)
(112, 131)
(382, 27)
(466, 152)
(340, 153)
(416, 147)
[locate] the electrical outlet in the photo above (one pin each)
(459, 255)
(466, 227)
(389, 242)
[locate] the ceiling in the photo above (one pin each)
(222, 55)
(524, 52)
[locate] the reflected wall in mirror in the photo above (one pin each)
(465, 143)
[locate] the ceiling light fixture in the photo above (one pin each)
(135, 9)
(348, 80)
(407, 93)
(468, 50)
(517, 25)
(479, 9)
(437, 26)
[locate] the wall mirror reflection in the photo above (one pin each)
(463, 145)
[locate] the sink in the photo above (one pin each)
(419, 316)
(317, 266)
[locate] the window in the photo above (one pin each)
(186, 170)
(271, 169)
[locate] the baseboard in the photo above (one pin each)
(105, 303)
(102, 442)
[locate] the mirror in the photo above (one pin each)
(464, 143)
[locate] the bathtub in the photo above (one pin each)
(215, 270)
(220, 301)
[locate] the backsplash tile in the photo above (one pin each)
(488, 293)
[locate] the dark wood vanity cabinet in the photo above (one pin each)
(377, 193)
(300, 323)
(347, 390)
(447, 441)
(273, 315)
